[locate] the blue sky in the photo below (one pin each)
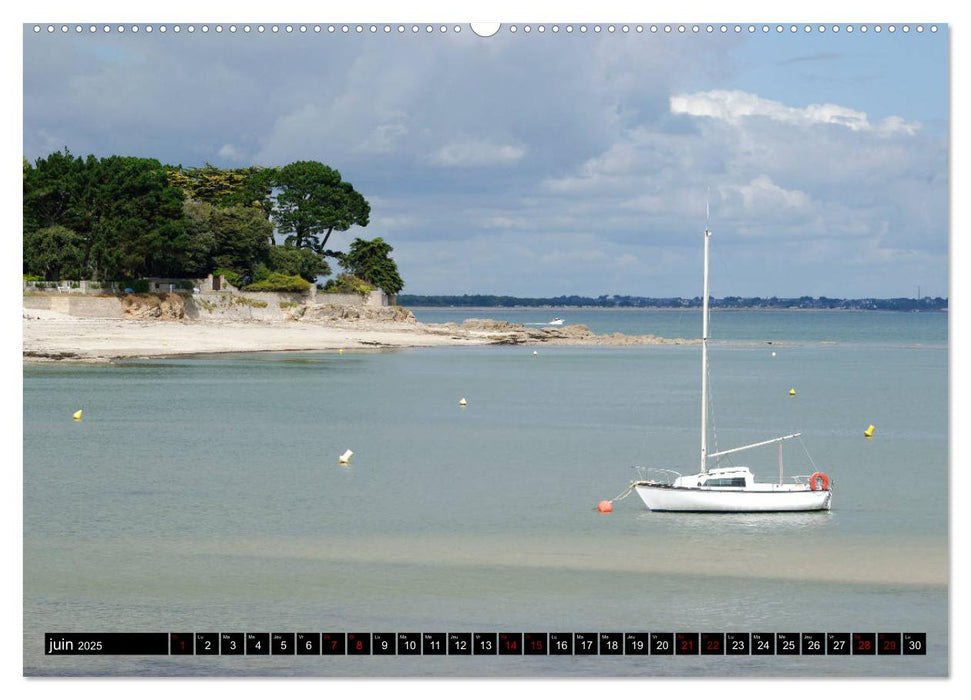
(544, 164)
(885, 74)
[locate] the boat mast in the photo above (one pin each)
(704, 357)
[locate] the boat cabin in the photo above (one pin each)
(729, 477)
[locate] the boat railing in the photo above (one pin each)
(655, 475)
(804, 479)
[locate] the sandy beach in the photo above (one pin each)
(53, 336)
(50, 336)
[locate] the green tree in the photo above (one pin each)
(125, 217)
(256, 190)
(277, 282)
(297, 261)
(198, 241)
(139, 218)
(206, 184)
(241, 236)
(313, 202)
(346, 283)
(371, 261)
(54, 252)
(224, 238)
(245, 187)
(53, 191)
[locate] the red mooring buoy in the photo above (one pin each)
(605, 506)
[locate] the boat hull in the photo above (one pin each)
(695, 500)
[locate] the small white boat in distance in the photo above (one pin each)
(728, 489)
(557, 321)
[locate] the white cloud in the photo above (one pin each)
(818, 185)
(761, 196)
(733, 106)
(230, 152)
(475, 153)
(383, 138)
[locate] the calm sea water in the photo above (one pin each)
(886, 328)
(204, 494)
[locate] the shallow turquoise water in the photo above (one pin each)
(204, 494)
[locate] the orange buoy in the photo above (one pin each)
(605, 506)
(815, 479)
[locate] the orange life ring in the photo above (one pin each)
(819, 476)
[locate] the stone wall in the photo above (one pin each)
(215, 306)
(340, 299)
(205, 306)
(77, 305)
(244, 306)
(374, 299)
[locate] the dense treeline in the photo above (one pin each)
(617, 301)
(123, 218)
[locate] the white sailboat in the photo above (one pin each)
(728, 489)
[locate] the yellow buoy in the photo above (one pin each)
(345, 458)
(77, 415)
(792, 392)
(341, 351)
(462, 401)
(869, 431)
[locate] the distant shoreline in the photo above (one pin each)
(620, 301)
(730, 309)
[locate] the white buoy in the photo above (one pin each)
(773, 353)
(462, 401)
(536, 352)
(345, 458)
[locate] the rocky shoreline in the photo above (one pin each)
(513, 334)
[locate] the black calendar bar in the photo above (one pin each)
(486, 643)
(106, 643)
